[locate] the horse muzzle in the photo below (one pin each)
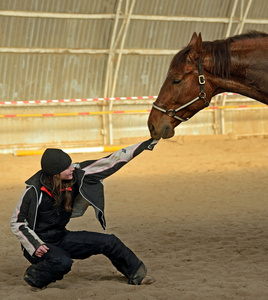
(164, 131)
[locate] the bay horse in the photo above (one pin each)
(201, 70)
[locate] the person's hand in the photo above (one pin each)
(40, 251)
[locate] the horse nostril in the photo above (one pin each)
(166, 132)
(166, 129)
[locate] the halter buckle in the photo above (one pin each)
(201, 79)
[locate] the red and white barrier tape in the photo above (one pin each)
(84, 100)
(75, 100)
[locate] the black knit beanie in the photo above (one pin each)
(54, 161)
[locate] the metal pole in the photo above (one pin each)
(109, 70)
(231, 19)
(129, 13)
(244, 17)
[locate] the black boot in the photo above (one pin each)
(30, 281)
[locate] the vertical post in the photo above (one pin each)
(109, 70)
(222, 115)
(108, 78)
(128, 14)
(244, 17)
(231, 19)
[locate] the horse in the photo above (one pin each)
(203, 69)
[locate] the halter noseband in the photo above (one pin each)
(202, 95)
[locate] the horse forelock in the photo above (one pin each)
(179, 58)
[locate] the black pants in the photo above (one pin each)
(80, 245)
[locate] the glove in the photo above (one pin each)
(152, 143)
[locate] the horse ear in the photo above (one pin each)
(193, 39)
(196, 48)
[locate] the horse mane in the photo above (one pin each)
(249, 35)
(219, 50)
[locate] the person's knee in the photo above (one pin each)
(62, 264)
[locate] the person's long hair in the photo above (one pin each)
(58, 187)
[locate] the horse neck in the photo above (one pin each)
(248, 68)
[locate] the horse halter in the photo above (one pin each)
(202, 95)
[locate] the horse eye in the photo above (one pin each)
(176, 81)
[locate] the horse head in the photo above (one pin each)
(182, 94)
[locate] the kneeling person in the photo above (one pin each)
(58, 192)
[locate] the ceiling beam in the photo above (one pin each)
(122, 16)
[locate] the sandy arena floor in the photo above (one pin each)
(195, 210)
